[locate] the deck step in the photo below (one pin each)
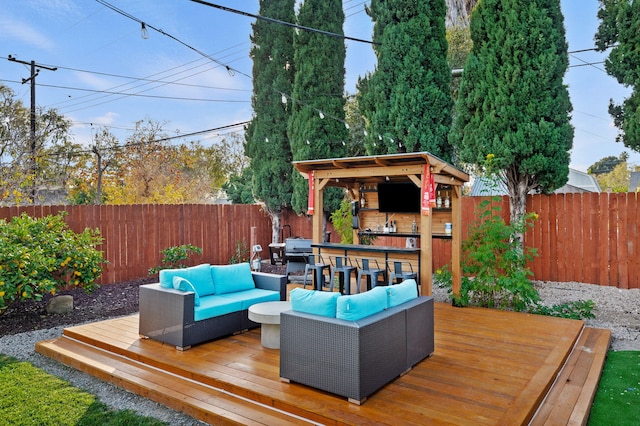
(569, 400)
(203, 402)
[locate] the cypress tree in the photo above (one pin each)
(407, 99)
(512, 102)
(267, 143)
(619, 26)
(318, 91)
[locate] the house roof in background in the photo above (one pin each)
(578, 182)
(634, 181)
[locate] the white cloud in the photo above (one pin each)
(17, 31)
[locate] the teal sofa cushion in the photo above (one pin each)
(215, 306)
(199, 276)
(403, 292)
(232, 278)
(183, 284)
(357, 306)
(314, 302)
(251, 297)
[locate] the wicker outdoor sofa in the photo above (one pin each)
(356, 358)
(194, 305)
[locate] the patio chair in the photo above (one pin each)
(370, 269)
(316, 266)
(397, 273)
(341, 266)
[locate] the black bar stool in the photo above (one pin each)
(316, 265)
(342, 266)
(370, 269)
(397, 273)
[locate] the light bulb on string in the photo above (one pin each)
(266, 140)
(143, 31)
(321, 115)
(308, 143)
(346, 125)
(284, 98)
(365, 133)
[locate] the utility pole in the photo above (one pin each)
(32, 79)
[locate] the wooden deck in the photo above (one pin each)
(489, 368)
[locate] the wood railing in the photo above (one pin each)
(591, 238)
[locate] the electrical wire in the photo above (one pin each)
(278, 21)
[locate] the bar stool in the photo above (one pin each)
(398, 274)
(318, 268)
(370, 269)
(342, 266)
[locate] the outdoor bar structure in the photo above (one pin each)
(413, 197)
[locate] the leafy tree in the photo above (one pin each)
(513, 106)
(617, 179)
(607, 164)
(357, 128)
(267, 143)
(316, 126)
(23, 168)
(619, 27)
(407, 99)
(239, 188)
(459, 41)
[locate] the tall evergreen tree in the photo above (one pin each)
(620, 26)
(267, 143)
(407, 99)
(316, 124)
(512, 102)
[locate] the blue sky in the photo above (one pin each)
(108, 75)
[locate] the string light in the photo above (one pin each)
(321, 115)
(266, 140)
(346, 125)
(284, 98)
(143, 31)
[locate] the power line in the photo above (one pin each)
(278, 21)
(145, 25)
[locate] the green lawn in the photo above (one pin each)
(617, 401)
(29, 396)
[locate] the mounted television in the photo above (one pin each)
(398, 198)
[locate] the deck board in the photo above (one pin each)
(489, 367)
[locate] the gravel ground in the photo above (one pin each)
(617, 310)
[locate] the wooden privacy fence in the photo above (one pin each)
(591, 238)
(134, 235)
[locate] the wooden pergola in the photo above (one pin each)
(358, 174)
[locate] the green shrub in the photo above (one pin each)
(40, 256)
(174, 257)
(342, 221)
(241, 253)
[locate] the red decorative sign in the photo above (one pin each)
(428, 190)
(312, 187)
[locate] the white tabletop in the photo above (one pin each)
(268, 312)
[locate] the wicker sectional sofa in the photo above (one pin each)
(354, 358)
(194, 305)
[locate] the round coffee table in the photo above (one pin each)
(268, 314)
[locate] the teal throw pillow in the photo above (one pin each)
(403, 292)
(232, 278)
(183, 284)
(357, 306)
(199, 276)
(314, 302)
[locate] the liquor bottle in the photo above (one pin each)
(447, 201)
(439, 201)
